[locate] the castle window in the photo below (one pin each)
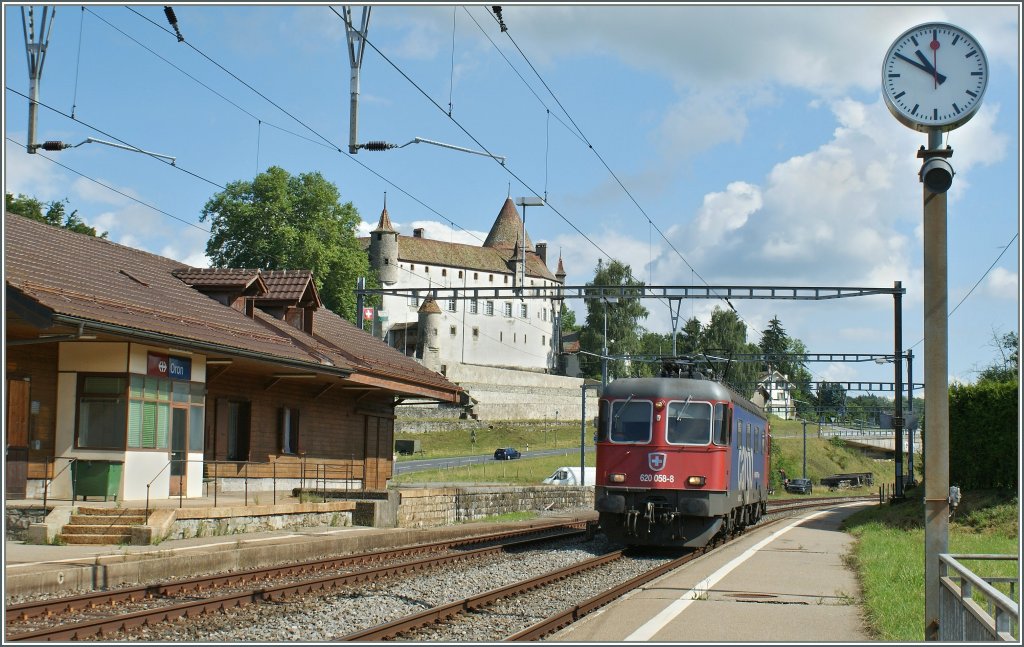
(506, 278)
(501, 336)
(413, 301)
(444, 272)
(543, 340)
(452, 331)
(460, 274)
(474, 306)
(476, 276)
(507, 308)
(387, 261)
(490, 277)
(412, 267)
(545, 314)
(489, 308)
(426, 269)
(451, 305)
(380, 236)
(515, 337)
(476, 333)
(522, 310)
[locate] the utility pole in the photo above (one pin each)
(35, 51)
(356, 47)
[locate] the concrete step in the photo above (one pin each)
(105, 529)
(98, 520)
(109, 511)
(91, 540)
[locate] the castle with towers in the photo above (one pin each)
(500, 332)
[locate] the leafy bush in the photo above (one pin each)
(983, 442)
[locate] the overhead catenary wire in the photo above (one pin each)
(110, 188)
(324, 141)
(115, 137)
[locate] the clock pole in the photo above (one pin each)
(936, 387)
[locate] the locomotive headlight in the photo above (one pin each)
(616, 478)
(696, 481)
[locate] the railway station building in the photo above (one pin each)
(132, 375)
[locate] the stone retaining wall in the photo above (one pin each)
(18, 520)
(428, 507)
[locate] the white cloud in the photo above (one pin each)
(32, 175)
(1003, 284)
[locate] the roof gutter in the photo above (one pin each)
(171, 340)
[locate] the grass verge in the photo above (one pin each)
(889, 555)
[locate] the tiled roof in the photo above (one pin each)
(493, 256)
(134, 292)
(507, 228)
(430, 306)
(384, 224)
(292, 286)
(227, 278)
(485, 259)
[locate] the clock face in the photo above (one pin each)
(934, 76)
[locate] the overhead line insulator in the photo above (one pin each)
(377, 146)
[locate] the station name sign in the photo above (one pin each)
(175, 368)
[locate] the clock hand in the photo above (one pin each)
(928, 67)
(935, 55)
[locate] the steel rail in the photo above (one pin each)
(107, 625)
(28, 610)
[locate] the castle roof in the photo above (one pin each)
(507, 229)
(384, 224)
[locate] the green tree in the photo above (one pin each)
(279, 221)
(724, 336)
(1007, 367)
(568, 320)
(831, 399)
(623, 321)
(54, 215)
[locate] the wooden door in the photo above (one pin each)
(17, 438)
(179, 451)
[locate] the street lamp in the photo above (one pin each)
(604, 352)
(527, 201)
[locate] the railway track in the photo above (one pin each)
(120, 612)
(422, 626)
(104, 612)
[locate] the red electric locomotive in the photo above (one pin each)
(680, 460)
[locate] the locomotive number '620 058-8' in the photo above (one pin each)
(657, 478)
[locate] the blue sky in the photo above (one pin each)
(702, 145)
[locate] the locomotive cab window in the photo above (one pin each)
(688, 423)
(601, 435)
(630, 421)
(723, 425)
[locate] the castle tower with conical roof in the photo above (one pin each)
(428, 344)
(384, 249)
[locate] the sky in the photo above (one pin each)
(704, 145)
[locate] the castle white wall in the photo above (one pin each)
(465, 337)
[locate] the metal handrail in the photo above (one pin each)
(1004, 616)
(46, 481)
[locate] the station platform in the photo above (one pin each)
(32, 569)
(786, 583)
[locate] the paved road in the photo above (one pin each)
(405, 467)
